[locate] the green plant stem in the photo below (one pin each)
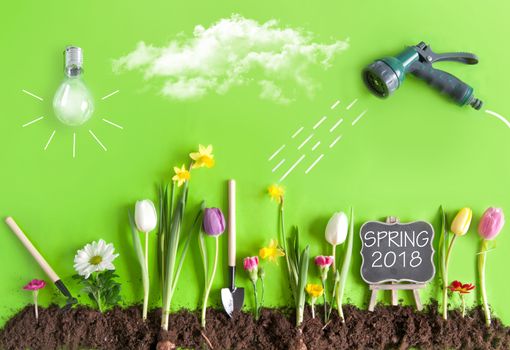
(301, 283)
(257, 314)
(171, 246)
(333, 296)
(184, 249)
(333, 266)
(98, 300)
(463, 304)
(35, 305)
(482, 259)
(445, 278)
(284, 245)
(312, 303)
(262, 297)
(345, 268)
(323, 281)
(210, 282)
(146, 287)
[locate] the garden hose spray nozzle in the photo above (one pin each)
(384, 76)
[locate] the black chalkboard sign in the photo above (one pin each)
(395, 252)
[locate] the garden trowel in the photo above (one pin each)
(232, 297)
(41, 261)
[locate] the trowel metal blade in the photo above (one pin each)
(232, 300)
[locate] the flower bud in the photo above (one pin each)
(146, 218)
(461, 222)
(214, 222)
(491, 223)
(336, 230)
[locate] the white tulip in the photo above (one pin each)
(336, 231)
(146, 218)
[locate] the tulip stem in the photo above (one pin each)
(334, 258)
(445, 278)
(146, 289)
(482, 258)
(313, 307)
(210, 281)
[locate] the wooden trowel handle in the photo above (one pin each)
(30, 247)
(231, 223)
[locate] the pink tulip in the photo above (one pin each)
(251, 263)
(323, 261)
(491, 223)
(34, 285)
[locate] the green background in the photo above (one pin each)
(405, 157)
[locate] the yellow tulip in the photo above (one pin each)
(461, 222)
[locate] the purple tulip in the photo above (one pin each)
(491, 223)
(214, 222)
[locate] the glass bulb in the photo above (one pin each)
(73, 103)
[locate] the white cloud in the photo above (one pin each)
(232, 52)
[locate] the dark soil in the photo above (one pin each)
(388, 327)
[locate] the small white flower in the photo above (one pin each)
(94, 257)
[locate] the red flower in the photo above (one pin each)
(35, 285)
(323, 261)
(457, 286)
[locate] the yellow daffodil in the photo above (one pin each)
(181, 175)
(314, 290)
(203, 158)
(271, 252)
(276, 192)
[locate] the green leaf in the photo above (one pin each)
(303, 277)
(184, 250)
(139, 253)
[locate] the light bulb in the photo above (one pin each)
(73, 103)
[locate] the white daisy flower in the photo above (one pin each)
(94, 257)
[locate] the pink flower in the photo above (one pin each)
(35, 285)
(491, 223)
(251, 263)
(323, 261)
